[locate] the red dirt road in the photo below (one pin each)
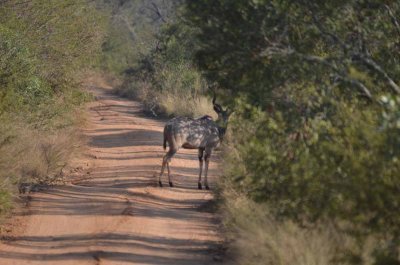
(117, 214)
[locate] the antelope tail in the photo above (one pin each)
(165, 140)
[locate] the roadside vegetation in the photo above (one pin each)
(315, 135)
(312, 154)
(44, 45)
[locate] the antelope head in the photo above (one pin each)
(223, 115)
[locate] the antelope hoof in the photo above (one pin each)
(207, 188)
(171, 185)
(199, 185)
(160, 184)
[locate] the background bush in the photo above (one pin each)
(162, 73)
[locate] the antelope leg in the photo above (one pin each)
(169, 176)
(162, 170)
(207, 159)
(201, 167)
(166, 160)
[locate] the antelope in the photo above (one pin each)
(203, 134)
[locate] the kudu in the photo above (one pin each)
(203, 134)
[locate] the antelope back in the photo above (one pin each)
(192, 133)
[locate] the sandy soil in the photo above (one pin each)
(114, 213)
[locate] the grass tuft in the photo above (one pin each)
(167, 102)
(255, 237)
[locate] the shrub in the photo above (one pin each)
(20, 84)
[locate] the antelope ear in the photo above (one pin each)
(217, 108)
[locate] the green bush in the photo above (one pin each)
(20, 84)
(337, 168)
(315, 88)
(41, 32)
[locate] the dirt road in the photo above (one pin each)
(115, 213)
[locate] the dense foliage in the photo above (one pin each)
(315, 85)
(38, 63)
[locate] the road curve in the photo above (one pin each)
(114, 213)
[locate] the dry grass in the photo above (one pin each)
(173, 104)
(168, 102)
(31, 156)
(257, 238)
(51, 154)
